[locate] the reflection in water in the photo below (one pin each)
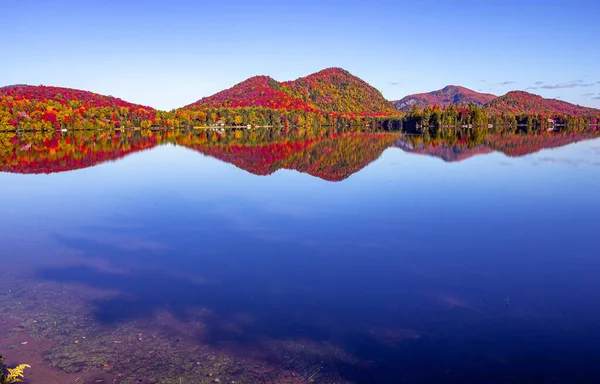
(512, 145)
(170, 266)
(330, 156)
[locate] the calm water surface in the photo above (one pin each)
(397, 266)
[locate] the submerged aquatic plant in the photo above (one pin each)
(11, 375)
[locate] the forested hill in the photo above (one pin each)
(520, 102)
(450, 94)
(332, 90)
(43, 107)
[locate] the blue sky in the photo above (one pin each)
(170, 53)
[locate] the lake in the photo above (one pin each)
(278, 257)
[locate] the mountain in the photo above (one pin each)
(520, 102)
(451, 94)
(331, 90)
(43, 107)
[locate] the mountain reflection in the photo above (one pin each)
(329, 155)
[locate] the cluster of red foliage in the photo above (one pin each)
(257, 91)
(331, 91)
(451, 94)
(520, 102)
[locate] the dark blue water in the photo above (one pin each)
(481, 270)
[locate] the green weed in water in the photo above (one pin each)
(11, 375)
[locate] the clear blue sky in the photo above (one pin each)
(169, 53)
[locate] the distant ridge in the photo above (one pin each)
(332, 90)
(451, 94)
(521, 102)
(14, 85)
